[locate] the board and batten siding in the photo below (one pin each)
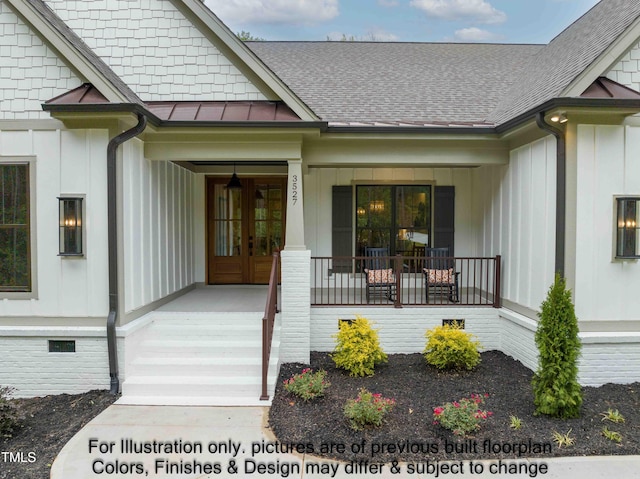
(318, 184)
(608, 164)
(31, 73)
(71, 163)
(515, 206)
(158, 225)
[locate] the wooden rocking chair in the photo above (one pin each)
(379, 275)
(440, 274)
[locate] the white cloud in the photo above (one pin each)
(475, 35)
(478, 11)
(274, 11)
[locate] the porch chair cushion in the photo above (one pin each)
(439, 276)
(380, 276)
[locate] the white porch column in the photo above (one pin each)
(294, 236)
(295, 343)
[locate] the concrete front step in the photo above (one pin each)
(193, 401)
(205, 366)
(206, 319)
(200, 359)
(193, 386)
(201, 348)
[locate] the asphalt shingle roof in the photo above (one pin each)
(554, 67)
(345, 82)
(350, 82)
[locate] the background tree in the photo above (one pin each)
(555, 384)
(247, 37)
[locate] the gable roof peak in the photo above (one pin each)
(559, 65)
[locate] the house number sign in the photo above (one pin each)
(294, 189)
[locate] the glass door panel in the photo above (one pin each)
(245, 226)
(413, 218)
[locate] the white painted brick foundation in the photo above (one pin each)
(402, 330)
(609, 358)
(295, 306)
(29, 367)
(517, 338)
(33, 371)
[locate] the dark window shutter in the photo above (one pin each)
(342, 229)
(444, 217)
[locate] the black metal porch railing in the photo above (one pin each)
(268, 321)
(405, 281)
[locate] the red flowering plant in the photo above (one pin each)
(368, 409)
(307, 385)
(463, 416)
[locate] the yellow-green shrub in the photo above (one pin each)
(357, 347)
(450, 347)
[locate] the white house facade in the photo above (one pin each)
(130, 258)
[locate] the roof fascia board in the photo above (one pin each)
(626, 107)
(247, 57)
(64, 48)
(605, 62)
(621, 106)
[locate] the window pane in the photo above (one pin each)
(14, 259)
(413, 218)
(14, 209)
(374, 210)
(15, 265)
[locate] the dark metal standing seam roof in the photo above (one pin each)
(189, 111)
(606, 88)
(222, 111)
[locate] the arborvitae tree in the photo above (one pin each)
(555, 384)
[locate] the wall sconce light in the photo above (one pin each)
(377, 206)
(70, 228)
(559, 118)
(234, 182)
(628, 227)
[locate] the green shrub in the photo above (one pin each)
(556, 389)
(10, 414)
(450, 347)
(357, 348)
(462, 417)
(367, 410)
(307, 385)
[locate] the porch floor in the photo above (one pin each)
(220, 298)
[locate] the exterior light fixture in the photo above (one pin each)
(559, 118)
(361, 211)
(376, 206)
(70, 227)
(628, 227)
(234, 182)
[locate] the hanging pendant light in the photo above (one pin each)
(234, 182)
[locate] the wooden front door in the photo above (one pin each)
(244, 227)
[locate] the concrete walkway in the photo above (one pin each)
(224, 442)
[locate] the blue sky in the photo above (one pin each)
(508, 21)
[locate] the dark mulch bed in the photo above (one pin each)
(50, 422)
(418, 388)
